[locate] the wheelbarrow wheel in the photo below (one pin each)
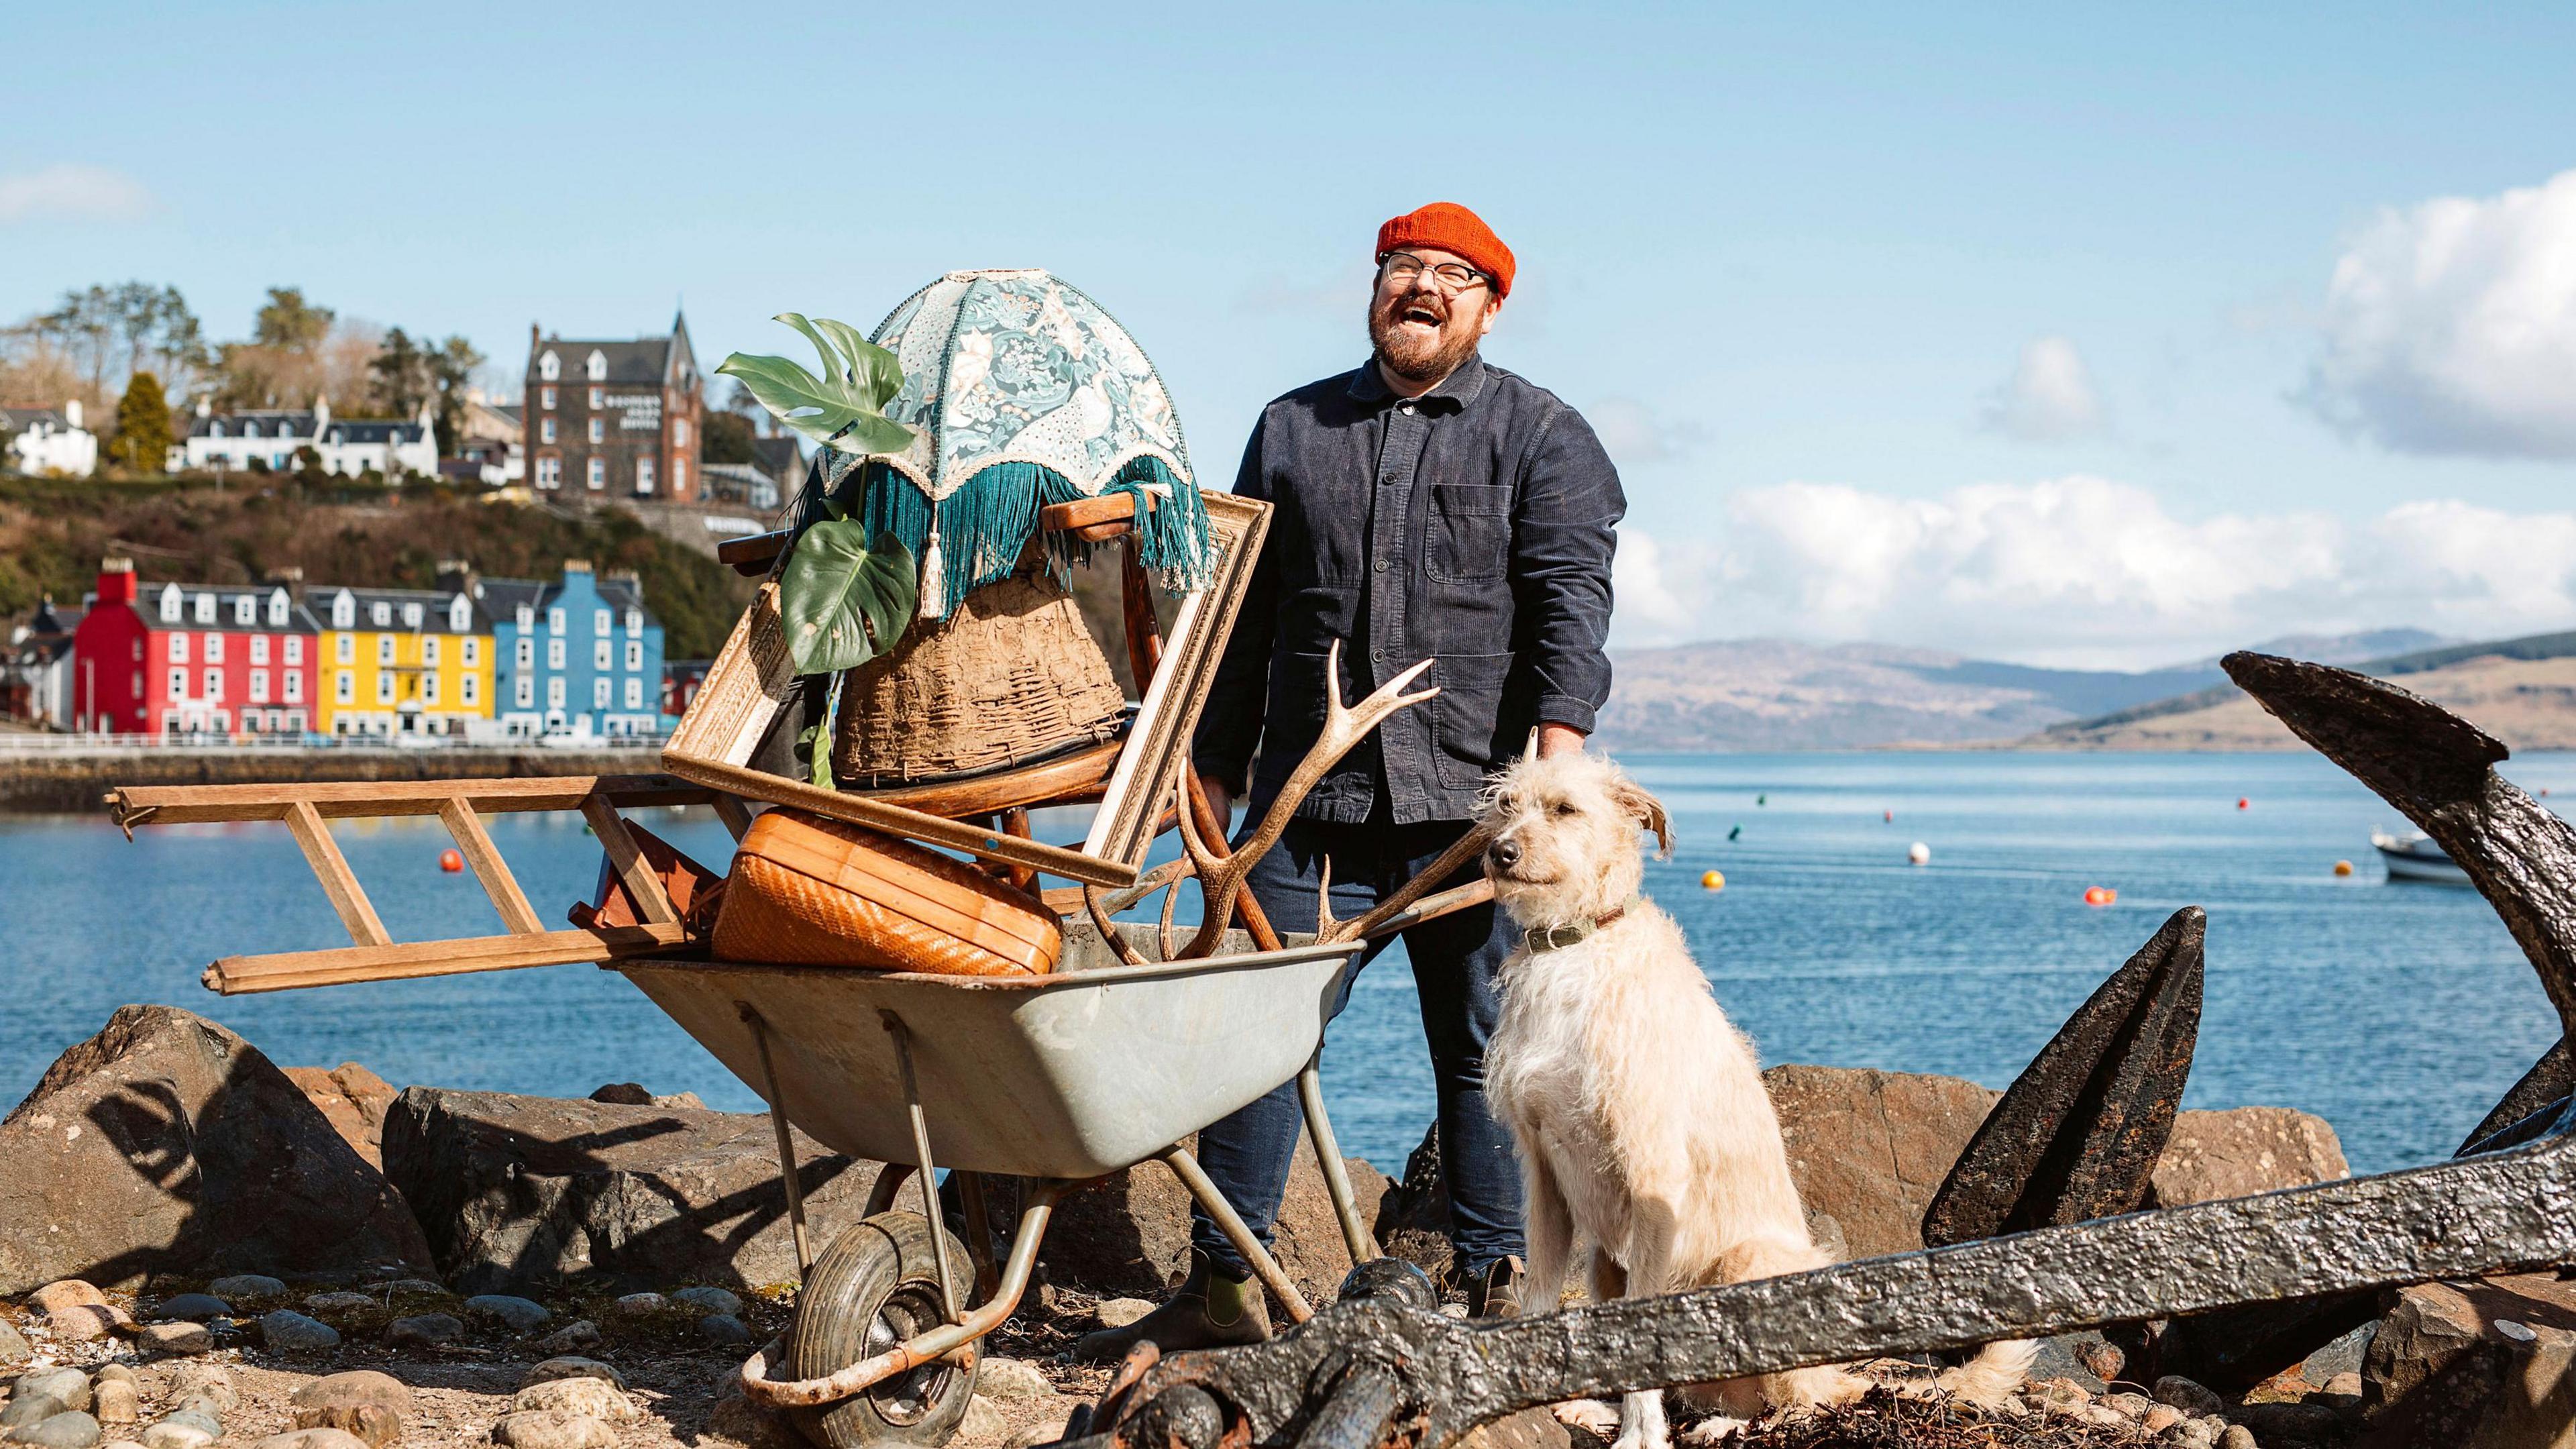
(873, 1288)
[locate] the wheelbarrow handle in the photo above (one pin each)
(1432, 907)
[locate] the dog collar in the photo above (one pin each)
(1557, 938)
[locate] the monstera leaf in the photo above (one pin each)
(844, 407)
(843, 600)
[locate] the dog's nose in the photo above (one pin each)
(1504, 853)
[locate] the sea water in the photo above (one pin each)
(2397, 1012)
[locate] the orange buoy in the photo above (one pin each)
(2100, 895)
(1715, 880)
(449, 861)
(2240, 802)
(1887, 815)
(2343, 867)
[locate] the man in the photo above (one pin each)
(1429, 506)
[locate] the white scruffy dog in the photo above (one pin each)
(1637, 1106)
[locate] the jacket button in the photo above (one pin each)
(1379, 566)
(1377, 654)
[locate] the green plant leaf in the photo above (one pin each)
(844, 602)
(844, 405)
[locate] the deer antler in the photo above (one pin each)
(1344, 727)
(1461, 851)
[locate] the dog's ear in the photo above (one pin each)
(1649, 812)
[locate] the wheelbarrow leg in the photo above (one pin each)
(979, 1233)
(1230, 1222)
(1328, 1156)
(786, 1144)
(921, 1152)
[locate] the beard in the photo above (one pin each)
(1413, 354)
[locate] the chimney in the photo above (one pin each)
(628, 577)
(116, 582)
(289, 578)
(456, 576)
(576, 566)
(72, 412)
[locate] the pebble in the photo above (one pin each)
(579, 1334)
(287, 1331)
(1010, 1378)
(1119, 1312)
(2101, 1417)
(71, 1429)
(192, 1417)
(2190, 1434)
(2060, 1393)
(2127, 1405)
(68, 1387)
(2162, 1417)
(311, 1439)
(340, 1302)
(2100, 1359)
(569, 1367)
(642, 1303)
(186, 1339)
(520, 1314)
(177, 1433)
(121, 1444)
(723, 1328)
(246, 1285)
(363, 1402)
(595, 1398)
(2237, 1437)
(193, 1307)
(65, 1293)
(984, 1420)
(542, 1429)
(81, 1322)
(26, 1410)
(2188, 1395)
(117, 1401)
(112, 1371)
(13, 1346)
(210, 1381)
(713, 1300)
(423, 1329)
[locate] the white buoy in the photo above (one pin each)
(1918, 854)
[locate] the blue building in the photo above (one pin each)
(581, 655)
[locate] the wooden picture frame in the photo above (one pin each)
(752, 681)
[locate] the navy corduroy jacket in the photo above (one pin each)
(1472, 526)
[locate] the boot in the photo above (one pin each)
(1209, 1310)
(1496, 1292)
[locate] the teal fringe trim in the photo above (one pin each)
(984, 525)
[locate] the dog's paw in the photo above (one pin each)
(1641, 1438)
(1715, 1429)
(1590, 1415)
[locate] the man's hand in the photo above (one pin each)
(1558, 739)
(1220, 800)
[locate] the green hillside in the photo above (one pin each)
(53, 534)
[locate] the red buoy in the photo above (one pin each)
(2240, 802)
(1890, 815)
(449, 861)
(2100, 895)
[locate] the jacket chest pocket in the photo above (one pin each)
(1470, 532)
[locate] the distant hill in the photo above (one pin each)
(1780, 694)
(2523, 691)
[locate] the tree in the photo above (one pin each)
(109, 333)
(452, 369)
(726, 438)
(401, 377)
(142, 442)
(290, 324)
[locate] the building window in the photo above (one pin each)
(599, 397)
(381, 613)
(634, 623)
(294, 648)
(643, 475)
(470, 689)
(214, 430)
(214, 649)
(546, 398)
(259, 649)
(344, 612)
(259, 686)
(460, 616)
(555, 693)
(635, 694)
(429, 689)
(599, 694)
(246, 610)
(178, 684)
(554, 654)
(345, 689)
(413, 614)
(634, 655)
(294, 689)
(214, 686)
(205, 608)
(170, 604)
(545, 430)
(596, 365)
(525, 692)
(277, 609)
(524, 653)
(179, 649)
(679, 476)
(598, 474)
(473, 651)
(602, 621)
(286, 428)
(599, 654)
(348, 649)
(384, 649)
(526, 614)
(384, 689)
(555, 621)
(549, 367)
(429, 652)
(599, 430)
(550, 470)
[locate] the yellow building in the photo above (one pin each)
(402, 661)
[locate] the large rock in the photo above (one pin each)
(2479, 1365)
(1869, 1148)
(353, 1100)
(1129, 1233)
(2243, 1151)
(516, 1192)
(166, 1144)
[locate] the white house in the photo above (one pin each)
(48, 441)
(272, 436)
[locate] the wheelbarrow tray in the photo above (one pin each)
(1069, 1075)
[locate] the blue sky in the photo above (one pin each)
(2019, 333)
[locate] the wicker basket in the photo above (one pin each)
(816, 892)
(1010, 677)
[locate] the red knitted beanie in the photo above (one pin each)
(1451, 228)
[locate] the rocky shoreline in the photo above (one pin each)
(202, 1247)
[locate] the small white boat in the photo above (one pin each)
(2414, 856)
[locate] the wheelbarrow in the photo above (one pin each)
(1058, 1079)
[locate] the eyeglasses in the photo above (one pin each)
(1452, 277)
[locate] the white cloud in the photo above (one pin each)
(1636, 434)
(2049, 398)
(2086, 572)
(2450, 327)
(72, 193)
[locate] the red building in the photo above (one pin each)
(218, 659)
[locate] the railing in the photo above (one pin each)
(14, 742)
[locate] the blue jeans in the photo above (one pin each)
(1454, 959)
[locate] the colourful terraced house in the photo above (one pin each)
(403, 661)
